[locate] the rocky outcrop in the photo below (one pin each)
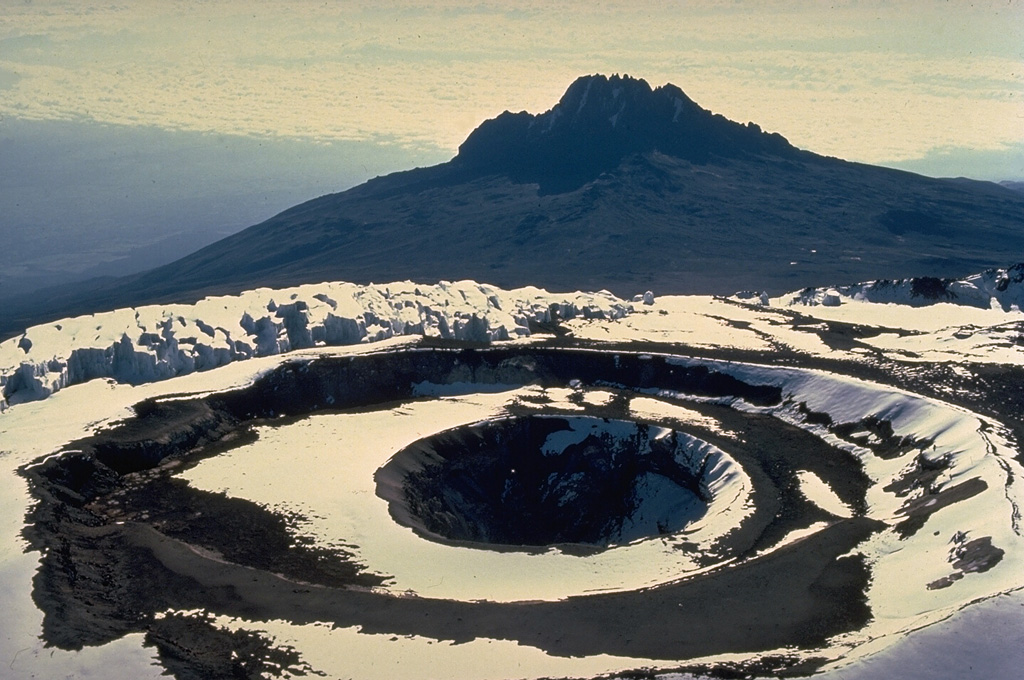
(600, 121)
(993, 288)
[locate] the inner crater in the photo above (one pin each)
(544, 480)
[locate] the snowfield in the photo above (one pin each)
(942, 481)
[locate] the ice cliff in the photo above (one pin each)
(146, 344)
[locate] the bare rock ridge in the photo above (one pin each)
(599, 122)
(619, 187)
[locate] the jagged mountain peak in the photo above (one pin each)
(601, 120)
(616, 99)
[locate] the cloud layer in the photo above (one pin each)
(870, 81)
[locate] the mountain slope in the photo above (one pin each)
(618, 186)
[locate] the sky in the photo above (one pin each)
(124, 124)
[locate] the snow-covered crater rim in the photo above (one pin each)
(968, 494)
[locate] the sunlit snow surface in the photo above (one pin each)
(943, 332)
(902, 568)
(156, 342)
(343, 504)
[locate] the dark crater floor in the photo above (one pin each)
(544, 480)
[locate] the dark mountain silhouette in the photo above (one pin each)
(618, 186)
(601, 121)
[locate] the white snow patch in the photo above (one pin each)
(797, 535)
(658, 409)
(557, 442)
(349, 653)
(598, 397)
(664, 502)
(819, 493)
(678, 109)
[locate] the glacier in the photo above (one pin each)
(157, 342)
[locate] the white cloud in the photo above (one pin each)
(866, 81)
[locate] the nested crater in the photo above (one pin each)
(543, 480)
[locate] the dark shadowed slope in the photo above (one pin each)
(618, 186)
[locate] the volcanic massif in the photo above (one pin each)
(620, 187)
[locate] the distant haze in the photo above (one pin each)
(82, 199)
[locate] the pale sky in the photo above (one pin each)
(868, 81)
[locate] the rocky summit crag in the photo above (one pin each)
(620, 187)
(600, 122)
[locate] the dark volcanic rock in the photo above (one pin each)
(601, 121)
